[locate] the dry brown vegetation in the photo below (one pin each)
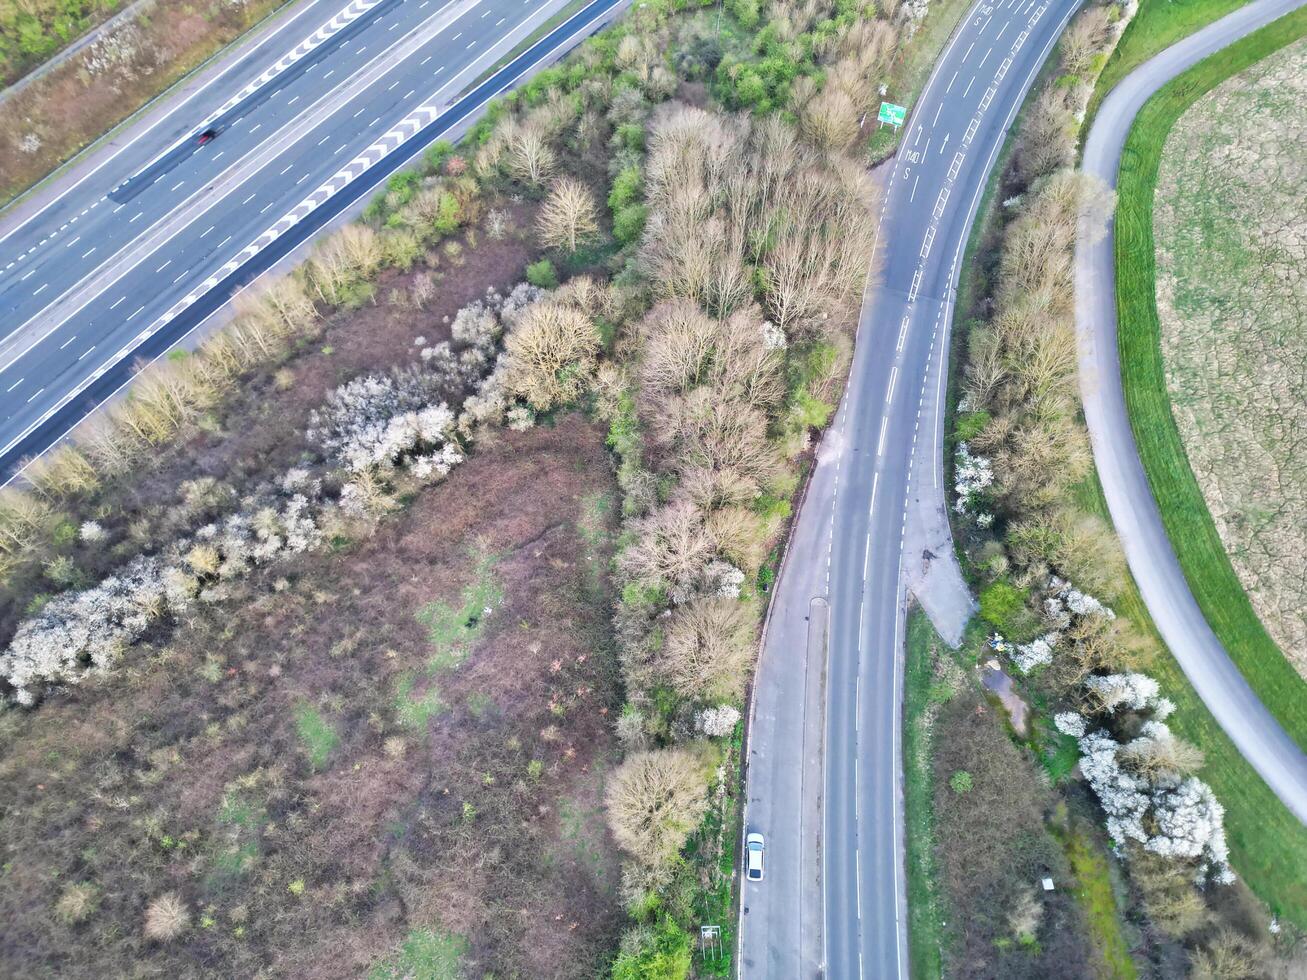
(1231, 257)
(466, 798)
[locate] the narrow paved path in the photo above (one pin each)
(1152, 559)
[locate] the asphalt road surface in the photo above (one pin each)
(1252, 728)
(139, 246)
(824, 771)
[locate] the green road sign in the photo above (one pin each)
(892, 114)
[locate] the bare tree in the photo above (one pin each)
(708, 649)
(654, 800)
(569, 216)
(551, 354)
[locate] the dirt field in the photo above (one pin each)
(1231, 239)
(405, 739)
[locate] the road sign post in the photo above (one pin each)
(892, 114)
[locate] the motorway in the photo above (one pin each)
(148, 238)
(1254, 730)
(823, 778)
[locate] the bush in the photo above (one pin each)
(628, 223)
(167, 917)
(626, 190)
(657, 953)
(1003, 606)
(542, 274)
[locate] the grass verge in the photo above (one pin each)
(1202, 556)
(925, 914)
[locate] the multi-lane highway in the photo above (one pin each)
(823, 757)
(1254, 730)
(145, 240)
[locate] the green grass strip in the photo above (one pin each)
(925, 931)
(1094, 893)
(1203, 558)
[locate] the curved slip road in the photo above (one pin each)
(823, 778)
(1152, 559)
(134, 249)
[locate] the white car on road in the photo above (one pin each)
(753, 848)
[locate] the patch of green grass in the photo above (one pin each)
(426, 954)
(1268, 844)
(1188, 523)
(452, 630)
(415, 711)
(1094, 893)
(317, 734)
(1157, 25)
(1060, 756)
(925, 910)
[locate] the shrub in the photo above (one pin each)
(77, 903)
(542, 274)
(960, 781)
(626, 189)
(628, 223)
(654, 800)
(661, 952)
(1003, 606)
(167, 917)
